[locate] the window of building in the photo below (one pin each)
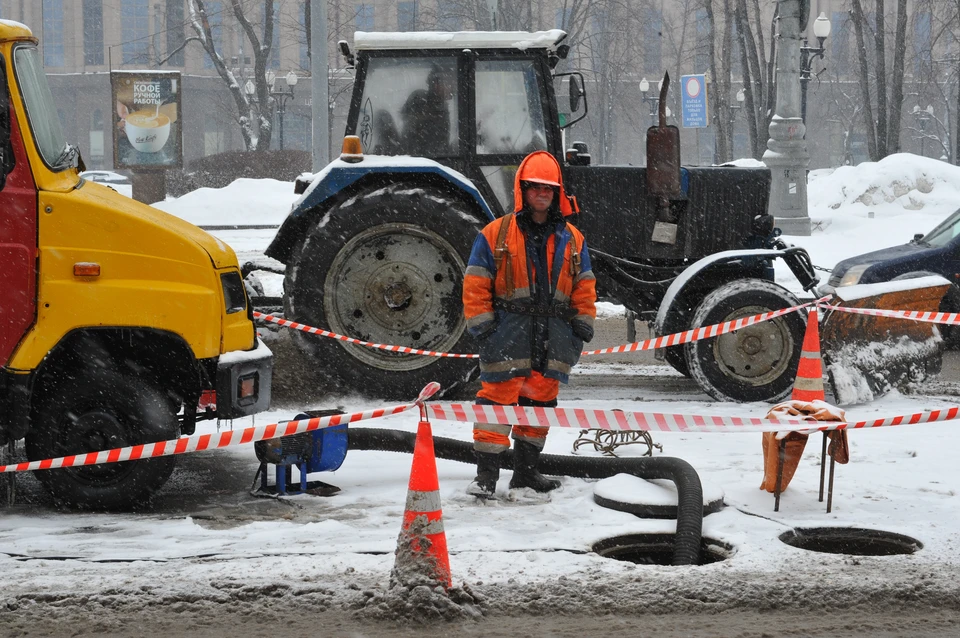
(53, 32)
(704, 32)
(364, 18)
(214, 141)
(175, 33)
(215, 20)
(304, 50)
(922, 43)
(449, 16)
(274, 61)
(135, 31)
(651, 41)
(839, 41)
(407, 15)
(96, 139)
(92, 32)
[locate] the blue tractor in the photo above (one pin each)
(376, 246)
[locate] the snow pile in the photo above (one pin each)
(898, 183)
(244, 201)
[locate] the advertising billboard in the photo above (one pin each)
(146, 118)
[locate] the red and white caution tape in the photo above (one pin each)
(333, 335)
(704, 332)
(609, 419)
(675, 339)
(200, 442)
(949, 318)
(662, 422)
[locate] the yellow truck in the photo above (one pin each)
(119, 324)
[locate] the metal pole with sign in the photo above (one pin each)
(693, 101)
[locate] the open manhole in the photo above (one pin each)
(851, 540)
(657, 549)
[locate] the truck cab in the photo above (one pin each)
(118, 320)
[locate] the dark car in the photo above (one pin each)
(937, 252)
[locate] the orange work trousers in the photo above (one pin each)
(535, 390)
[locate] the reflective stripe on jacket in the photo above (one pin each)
(506, 346)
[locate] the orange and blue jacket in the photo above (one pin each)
(507, 347)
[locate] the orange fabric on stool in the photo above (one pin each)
(796, 442)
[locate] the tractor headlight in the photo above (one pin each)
(852, 276)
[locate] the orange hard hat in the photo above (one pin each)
(540, 167)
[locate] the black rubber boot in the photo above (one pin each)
(488, 472)
(526, 456)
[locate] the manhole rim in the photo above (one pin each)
(908, 544)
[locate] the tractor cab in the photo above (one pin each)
(477, 102)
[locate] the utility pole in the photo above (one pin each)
(787, 155)
(319, 78)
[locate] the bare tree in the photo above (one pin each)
(254, 114)
(881, 104)
(759, 88)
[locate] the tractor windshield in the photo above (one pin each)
(509, 112)
(409, 107)
(41, 109)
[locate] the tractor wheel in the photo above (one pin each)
(101, 410)
(757, 363)
(387, 267)
(677, 359)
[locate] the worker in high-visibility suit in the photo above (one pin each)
(529, 296)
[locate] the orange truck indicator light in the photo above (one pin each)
(86, 269)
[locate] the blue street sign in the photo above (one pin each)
(693, 101)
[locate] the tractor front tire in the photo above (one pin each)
(100, 410)
(756, 363)
(386, 266)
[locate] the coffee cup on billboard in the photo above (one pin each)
(147, 130)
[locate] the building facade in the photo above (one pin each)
(616, 46)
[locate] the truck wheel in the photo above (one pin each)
(757, 363)
(101, 410)
(387, 267)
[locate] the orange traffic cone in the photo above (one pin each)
(808, 386)
(422, 546)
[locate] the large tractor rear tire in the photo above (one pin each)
(756, 363)
(100, 410)
(387, 266)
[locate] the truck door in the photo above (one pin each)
(18, 231)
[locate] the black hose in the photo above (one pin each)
(686, 549)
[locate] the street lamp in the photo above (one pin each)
(923, 116)
(653, 100)
(735, 108)
(821, 29)
(280, 97)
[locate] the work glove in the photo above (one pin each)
(582, 330)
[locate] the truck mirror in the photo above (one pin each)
(576, 93)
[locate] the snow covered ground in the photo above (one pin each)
(208, 547)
